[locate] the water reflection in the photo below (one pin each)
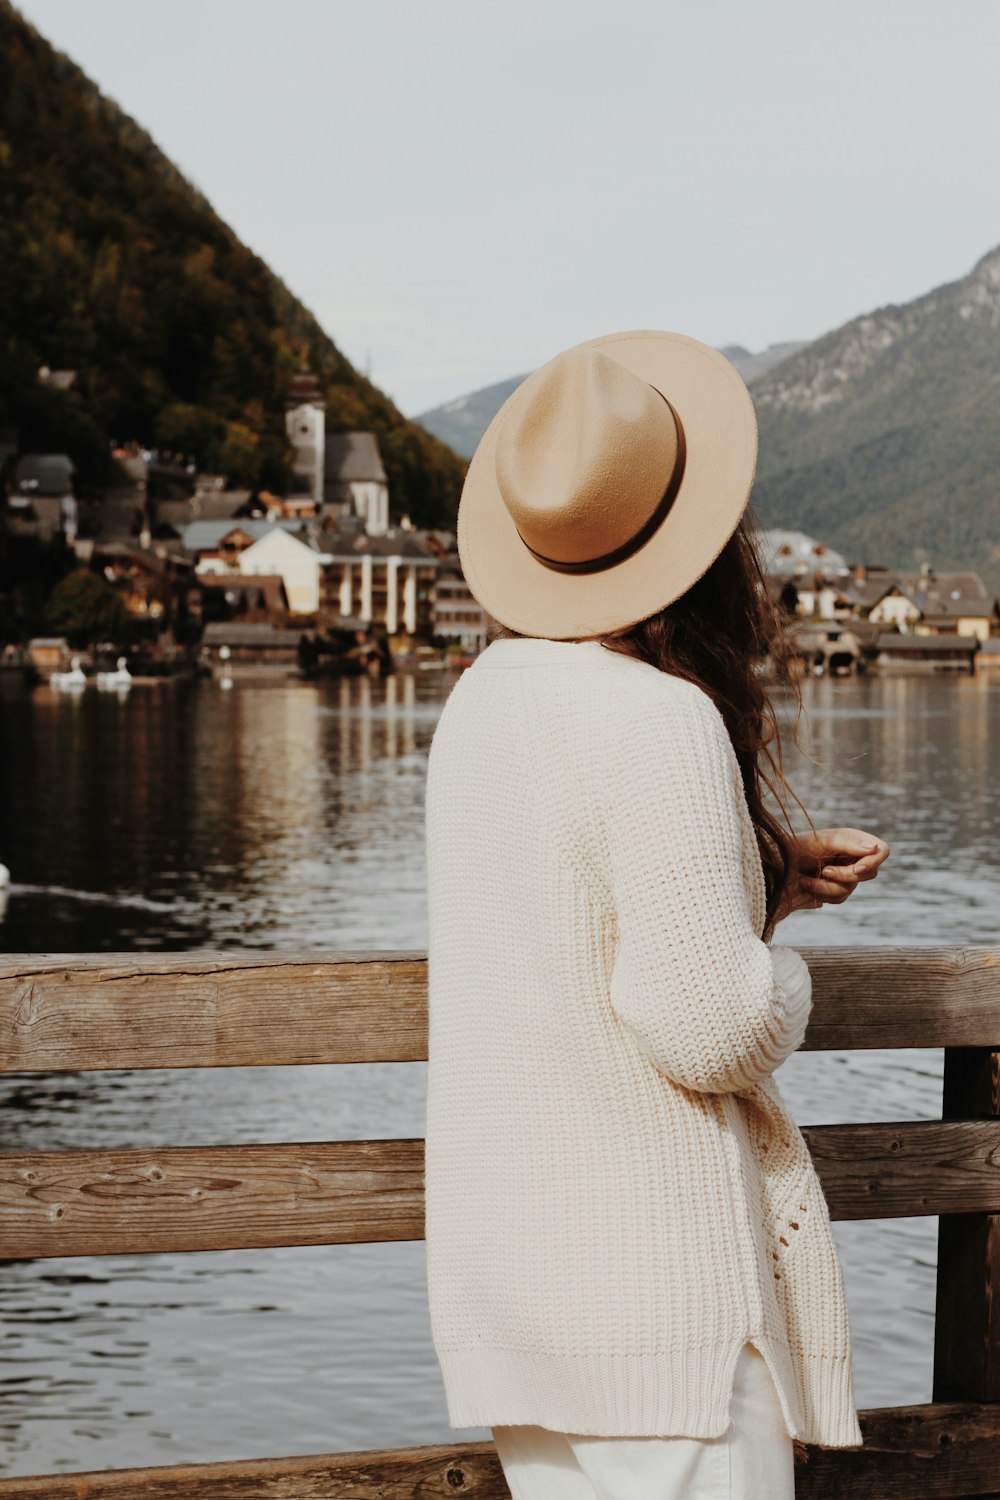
(908, 758)
(186, 818)
(290, 816)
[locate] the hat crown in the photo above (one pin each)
(585, 454)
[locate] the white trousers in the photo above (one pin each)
(753, 1460)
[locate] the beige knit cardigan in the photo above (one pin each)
(616, 1196)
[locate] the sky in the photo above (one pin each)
(459, 189)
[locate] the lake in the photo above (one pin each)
(289, 816)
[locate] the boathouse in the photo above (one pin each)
(941, 652)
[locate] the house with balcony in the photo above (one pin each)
(386, 580)
(458, 616)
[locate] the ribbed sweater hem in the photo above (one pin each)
(673, 1393)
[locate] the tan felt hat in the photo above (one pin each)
(607, 484)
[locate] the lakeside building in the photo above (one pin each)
(814, 581)
(150, 583)
(288, 549)
(386, 580)
(932, 652)
(988, 655)
(260, 644)
(931, 603)
(48, 654)
(459, 617)
(831, 648)
(845, 618)
(223, 597)
(292, 558)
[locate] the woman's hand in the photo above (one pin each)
(827, 866)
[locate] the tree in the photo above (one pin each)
(84, 608)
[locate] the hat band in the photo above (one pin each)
(634, 542)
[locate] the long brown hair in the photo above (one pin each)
(720, 634)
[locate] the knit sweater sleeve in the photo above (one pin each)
(708, 1002)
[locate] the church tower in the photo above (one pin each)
(305, 420)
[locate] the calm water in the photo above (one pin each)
(290, 816)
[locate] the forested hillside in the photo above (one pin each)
(113, 265)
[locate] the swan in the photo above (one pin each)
(121, 677)
(69, 681)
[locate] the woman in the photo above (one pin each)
(631, 1274)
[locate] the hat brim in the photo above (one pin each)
(720, 430)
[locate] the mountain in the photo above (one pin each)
(115, 267)
(752, 365)
(461, 423)
(883, 437)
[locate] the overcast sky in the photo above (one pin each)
(458, 189)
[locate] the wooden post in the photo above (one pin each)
(967, 1316)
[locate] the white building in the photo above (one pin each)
(387, 580)
(295, 562)
(796, 552)
(305, 420)
(457, 614)
(935, 603)
(355, 480)
(895, 608)
(287, 549)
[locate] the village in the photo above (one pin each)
(230, 582)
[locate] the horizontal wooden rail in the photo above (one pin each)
(945, 1451)
(88, 1011)
(210, 1198)
(181, 1198)
(70, 1012)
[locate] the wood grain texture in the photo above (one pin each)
(405, 1474)
(904, 997)
(69, 1012)
(967, 1309)
(209, 1198)
(79, 1012)
(910, 1167)
(142, 1200)
(937, 1452)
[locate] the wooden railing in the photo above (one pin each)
(67, 1013)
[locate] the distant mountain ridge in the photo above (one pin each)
(462, 422)
(883, 437)
(752, 365)
(115, 267)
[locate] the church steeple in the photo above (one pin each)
(305, 420)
